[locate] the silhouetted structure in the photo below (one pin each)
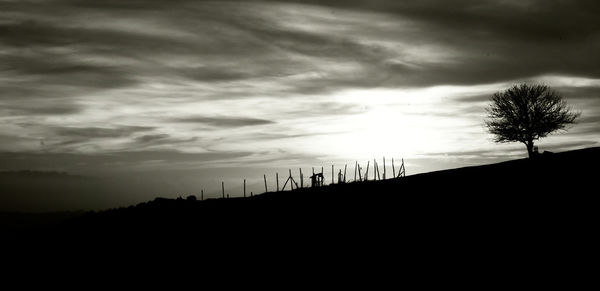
(316, 180)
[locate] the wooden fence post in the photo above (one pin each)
(285, 184)
(375, 168)
(345, 166)
(266, 184)
(277, 179)
(223, 188)
(292, 180)
(384, 168)
(332, 176)
(244, 188)
(403, 169)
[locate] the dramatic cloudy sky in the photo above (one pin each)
(105, 86)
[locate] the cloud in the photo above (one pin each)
(99, 132)
(474, 42)
(46, 69)
(149, 141)
(590, 119)
(213, 74)
(227, 122)
(151, 137)
(80, 69)
(40, 108)
(520, 20)
(121, 160)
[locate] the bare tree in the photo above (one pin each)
(525, 113)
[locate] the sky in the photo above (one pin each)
(192, 93)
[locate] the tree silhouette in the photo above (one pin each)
(525, 113)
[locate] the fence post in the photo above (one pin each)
(285, 184)
(332, 176)
(375, 169)
(291, 181)
(277, 179)
(244, 188)
(401, 170)
(384, 168)
(266, 184)
(223, 188)
(345, 166)
(393, 169)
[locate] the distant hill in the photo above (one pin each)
(533, 206)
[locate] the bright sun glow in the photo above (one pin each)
(395, 123)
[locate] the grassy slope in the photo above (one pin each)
(497, 225)
(536, 207)
(554, 189)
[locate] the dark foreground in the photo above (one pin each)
(540, 212)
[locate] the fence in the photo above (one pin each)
(318, 179)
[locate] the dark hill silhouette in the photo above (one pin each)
(538, 209)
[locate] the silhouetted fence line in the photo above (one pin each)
(318, 179)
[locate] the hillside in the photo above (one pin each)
(533, 202)
(551, 187)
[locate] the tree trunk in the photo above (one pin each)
(530, 148)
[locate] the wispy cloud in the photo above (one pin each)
(309, 78)
(223, 121)
(99, 132)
